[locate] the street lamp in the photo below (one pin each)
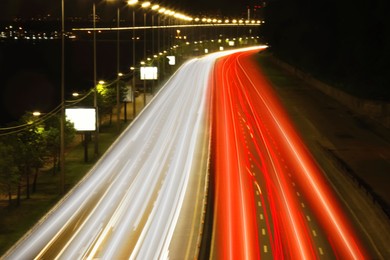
(118, 73)
(145, 5)
(132, 3)
(62, 121)
(36, 113)
(95, 80)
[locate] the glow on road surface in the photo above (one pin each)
(129, 203)
(257, 153)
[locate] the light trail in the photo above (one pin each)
(129, 204)
(280, 156)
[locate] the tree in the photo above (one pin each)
(107, 98)
(31, 149)
(51, 135)
(9, 174)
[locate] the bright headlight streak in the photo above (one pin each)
(164, 134)
(48, 231)
(162, 245)
(94, 221)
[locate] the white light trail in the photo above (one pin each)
(129, 203)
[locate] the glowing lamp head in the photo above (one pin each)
(145, 4)
(132, 2)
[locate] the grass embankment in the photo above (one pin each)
(15, 221)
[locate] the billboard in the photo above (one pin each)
(171, 60)
(148, 73)
(84, 119)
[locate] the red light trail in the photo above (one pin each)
(260, 159)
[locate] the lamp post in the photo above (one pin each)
(132, 3)
(118, 107)
(154, 8)
(95, 80)
(144, 6)
(62, 121)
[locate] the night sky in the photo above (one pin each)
(345, 43)
(18, 8)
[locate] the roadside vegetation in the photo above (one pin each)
(29, 162)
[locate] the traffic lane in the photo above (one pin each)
(181, 131)
(273, 239)
(228, 139)
(308, 175)
(283, 211)
(342, 142)
(130, 150)
(235, 230)
(186, 239)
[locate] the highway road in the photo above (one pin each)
(144, 198)
(271, 200)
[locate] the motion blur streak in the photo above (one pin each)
(257, 149)
(129, 203)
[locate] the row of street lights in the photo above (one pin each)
(145, 5)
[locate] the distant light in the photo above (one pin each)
(132, 2)
(36, 113)
(145, 4)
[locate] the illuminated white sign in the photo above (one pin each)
(231, 43)
(84, 119)
(171, 60)
(148, 73)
